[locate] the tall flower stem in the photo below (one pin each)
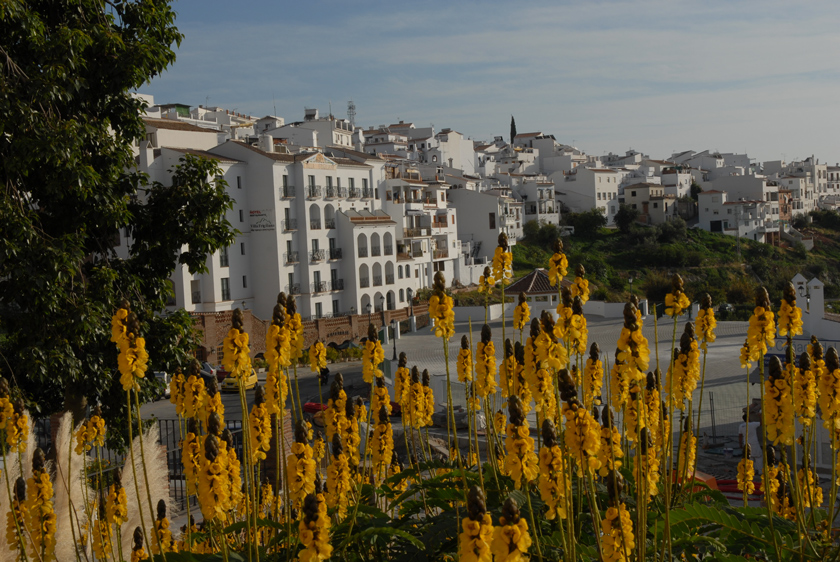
(18, 524)
(133, 464)
(146, 474)
(764, 452)
(250, 515)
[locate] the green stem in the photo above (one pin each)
(133, 465)
(146, 475)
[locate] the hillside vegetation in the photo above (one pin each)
(708, 262)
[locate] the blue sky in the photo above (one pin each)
(656, 76)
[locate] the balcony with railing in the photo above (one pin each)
(287, 192)
(293, 289)
(377, 280)
(363, 253)
(317, 255)
(439, 224)
(354, 193)
(337, 285)
(315, 225)
(441, 254)
(375, 252)
(417, 253)
(335, 253)
(364, 282)
(291, 257)
(196, 297)
(330, 193)
(329, 224)
(415, 232)
(367, 193)
(318, 287)
(290, 224)
(313, 191)
(389, 250)
(389, 279)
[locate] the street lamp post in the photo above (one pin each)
(803, 292)
(368, 308)
(410, 302)
(396, 326)
(631, 285)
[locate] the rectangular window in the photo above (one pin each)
(399, 271)
(364, 183)
(315, 244)
(335, 308)
(242, 248)
(238, 182)
(285, 182)
(329, 181)
(318, 310)
(291, 283)
(352, 183)
(376, 193)
(453, 219)
(224, 259)
(492, 221)
(195, 289)
(241, 216)
(244, 281)
(225, 288)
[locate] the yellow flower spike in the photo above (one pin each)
(232, 479)
(294, 327)
(805, 390)
(338, 479)
(103, 533)
(580, 287)
(520, 382)
(521, 463)
(300, 468)
(164, 543)
(557, 264)
(441, 309)
(317, 356)
(593, 377)
(762, 330)
(211, 402)
(90, 432)
(319, 448)
(619, 383)
(810, 492)
(382, 445)
(380, 397)
(676, 302)
(507, 371)
(522, 313)
(355, 414)
(577, 332)
(372, 356)
(706, 322)
(138, 553)
(260, 426)
(777, 404)
(564, 314)
(39, 507)
(429, 398)
(314, 530)
(486, 282)
(415, 415)
(502, 261)
(829, 387)
(583, 433)
(610, 452)
(132, 359)
(633, 349)
(746, 363)
(335, 417)
(475, 539)
(617, 541)
(511, 539)
(790, 315)
(119, 329)
(554, 480)
(402, 382)
(687, 454)
(213, 487)
(550, 354)
(539, 379)
(485, 364)
(237, 358)
(686, 367)
(465, 362)
(746, 475)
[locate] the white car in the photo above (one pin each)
(163, 376)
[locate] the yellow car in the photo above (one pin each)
(230, 384)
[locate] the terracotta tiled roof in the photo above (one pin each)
(356, 153)
(535, 282)
(202, 154)
(175, 125)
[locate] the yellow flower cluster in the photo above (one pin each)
(502, 261)
(485, 364)
(380, 397)
(521, 463)
(805, 390)
(809, 488)
(338, 479)
(300, 468)
(790, 315)
(633, 349)
(619, 383)
(511, 540)
(465, 362)
(522, 313)
(90, 432)
(260, 427)
(440, 310)
(317, 357)
(335, 417)
(593, 377)
(829, 386)
(277, 354)
(576, 331)
(687, 454)
(746, 475)
(116, 507)
(314, 530)
(582, 437)
(383, 444)
(236, 358)
(676, 302)
(372, 356)
(706, 322)
(617, 541)
(133, 359)
(557, 264)
(610, 452)
(39, 507)
(634, 421)
(213, 490)
(762, 330)
(554, 481)
(16, 517)
(162, 537)
(191, 456)
(486, 282)
(402, 382)
(474, 541)
(686, 369)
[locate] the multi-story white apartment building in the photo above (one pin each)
(650, 200)
(589, 188)
(747, 219)
(483, 215)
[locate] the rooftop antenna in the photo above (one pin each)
(330, 109)
(206, 101)
(274, 101)
(351, 113)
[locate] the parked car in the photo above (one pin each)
(221, 374)
(232, 385)
(162, 376)
(208, 369)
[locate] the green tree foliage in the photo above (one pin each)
(586, 223)
(625, 218)
(71, 186)
(695, 190)
(512, 129)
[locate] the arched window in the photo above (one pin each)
(314, 217)
(389, 244)
(375, 249)
(361, 243)
(364, 276)
(389, 273)
(402, 294)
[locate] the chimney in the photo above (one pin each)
(266, 143)
(147, 155)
